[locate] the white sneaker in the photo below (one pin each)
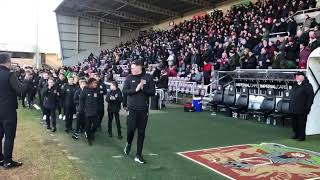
(60, 116)
(64, 118)
(268, 121)
(139, 160)
(74, 116)
(44, 117)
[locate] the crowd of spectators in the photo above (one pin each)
(240, 38)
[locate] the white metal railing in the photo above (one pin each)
(305, 11)
(161, 94)
(177, 88)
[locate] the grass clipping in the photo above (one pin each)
(41, 155)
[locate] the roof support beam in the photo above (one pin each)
(108, 21)
(125, 15)
(202, 3)
(148, 7)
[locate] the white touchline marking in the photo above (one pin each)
(119, 156)
(151, 154)
(73, 158)
(36, 106)
(52, 135)
(59, 144)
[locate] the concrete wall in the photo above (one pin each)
(53, 60)
(23, 61)
(79, 37)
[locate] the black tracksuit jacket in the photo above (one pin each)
(138, 100)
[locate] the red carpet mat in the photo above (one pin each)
(259, 161)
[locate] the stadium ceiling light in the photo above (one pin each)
(148, 7)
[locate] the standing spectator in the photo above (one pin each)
(89, 105)
(114, 99)
(10, 88)
(300, 105)
(50, 100)
(207, 69)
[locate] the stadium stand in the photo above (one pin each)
(249, 44)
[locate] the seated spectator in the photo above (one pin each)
(263, 59)
(224, 62)
(302, 37)
(317, 31)
(244, 57)
(305, 52)
(307, 22)
(277, 59)
(172, 71)
(292, 53)
(186, 72)
(171, 59)
(313, 42)
(292, 27)
(251, 62)
(196, 76)
(196, 58)
(233, 60)
(312, 3)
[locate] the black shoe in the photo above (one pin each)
(1, 163)
(90, 142)
(294, 137)
(75, 136)
(139, 159)
(12, 164)
(49, 128)
(127, 149)
(54, 129)
(120, 137)
(67, 130)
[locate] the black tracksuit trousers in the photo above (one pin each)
(137, 119)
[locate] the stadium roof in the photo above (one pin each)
(132, 14)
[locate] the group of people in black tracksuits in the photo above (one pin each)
(85, 99)
(82, 100)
